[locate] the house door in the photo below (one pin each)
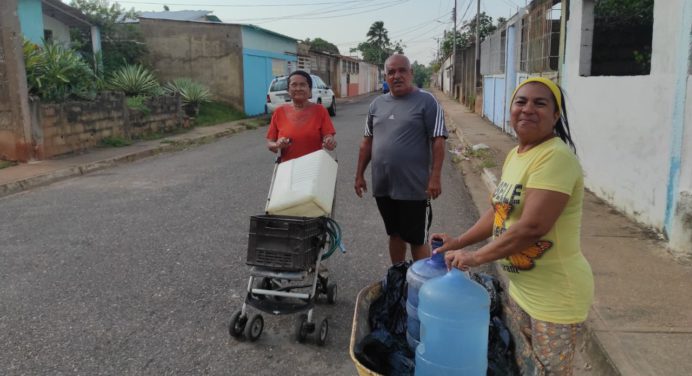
(257, 75)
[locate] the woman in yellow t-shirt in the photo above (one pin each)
(535, 223)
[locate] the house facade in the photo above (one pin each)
(633, 131)
(356, 77)
(266, 54)
(207, 52)
(527, 45)
(51, 20)
(628, 96)
(15, 123)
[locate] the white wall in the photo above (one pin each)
(61, 33)
(446, 70)
(623, 126)
(367, 78)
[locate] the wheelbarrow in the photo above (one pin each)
(361, 327)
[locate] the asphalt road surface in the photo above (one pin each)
(136, 269)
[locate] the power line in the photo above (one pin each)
(399, 32)
(425, 34)
(423, 25)
(319, 14)
(240, 5)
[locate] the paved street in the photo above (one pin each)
(136, 269)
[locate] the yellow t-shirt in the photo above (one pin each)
(551, 280)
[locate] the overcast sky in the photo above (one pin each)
(417, 23)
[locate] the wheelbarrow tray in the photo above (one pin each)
(361, 326)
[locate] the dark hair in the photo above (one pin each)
(562, 125)
(300, 73)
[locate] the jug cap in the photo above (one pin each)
(437, 258)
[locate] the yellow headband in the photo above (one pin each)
(550, 84)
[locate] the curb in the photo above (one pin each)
(590, 344)
(173, 144)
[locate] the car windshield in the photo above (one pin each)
(278, 85)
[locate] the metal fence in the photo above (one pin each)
(540, 37)
(493, 53)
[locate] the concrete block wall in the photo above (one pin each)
(164, 116)
(76, 126)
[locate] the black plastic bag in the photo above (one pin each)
(385, 349)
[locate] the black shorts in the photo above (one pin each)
(407, 219)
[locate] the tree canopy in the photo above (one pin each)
(378, 47)
(122, 43)
(421, 74)
(466, 36)
(321, 45)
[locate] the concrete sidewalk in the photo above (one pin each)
(641, 319)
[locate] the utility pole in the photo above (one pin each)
(454, 50)
(477, 66)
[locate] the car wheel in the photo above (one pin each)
(332, 108)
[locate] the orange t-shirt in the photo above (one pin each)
(304, 128)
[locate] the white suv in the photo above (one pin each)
(321, 93)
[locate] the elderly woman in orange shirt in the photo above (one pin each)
(300, 127)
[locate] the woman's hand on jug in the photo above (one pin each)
(445, 241)
(461, 259)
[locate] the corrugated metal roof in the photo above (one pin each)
(178, 15)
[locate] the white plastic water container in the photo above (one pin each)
(304, 187)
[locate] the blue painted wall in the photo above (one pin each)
(494, 99)
(30, 13)
(256, 78)
(678, 124)
(499, 110)
(488, 96)
(260, 48)
(259, 39)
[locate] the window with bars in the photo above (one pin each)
(616, 38)
(350, 67)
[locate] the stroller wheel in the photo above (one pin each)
(302, 328)
(322, 333)
(254, 330)
(237, 325)
(331, 293)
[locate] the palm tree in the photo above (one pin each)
(377, 35)
(378, 38)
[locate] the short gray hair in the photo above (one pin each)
(408, 62)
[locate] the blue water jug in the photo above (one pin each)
(454, 314)
(418, 273)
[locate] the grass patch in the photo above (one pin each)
(115, 141)
(137, 103)
(486, 157)
(255, 122)
(5, 164)
(211, 113)
(153, 136)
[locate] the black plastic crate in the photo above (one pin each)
(284, 243)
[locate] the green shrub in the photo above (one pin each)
(55, 73)
(5, 164)
(115, 141)
(134, 80)
(211, 113)
(192, 94)
(138, 102)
